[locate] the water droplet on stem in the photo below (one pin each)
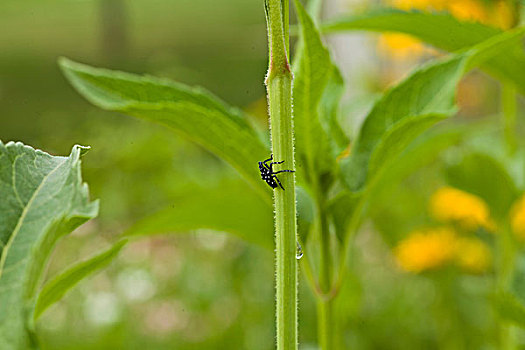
(299, 252)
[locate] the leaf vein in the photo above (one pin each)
(13, 180)
(5, 251)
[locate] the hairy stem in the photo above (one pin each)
(279, 86)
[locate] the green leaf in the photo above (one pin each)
(399, 137)
(231, 207)
(510, 309)
(424, 151)
(442, 31)
(42, 199)
(484, 176)
(329, 111)
(412, 106)
(348, 208)
(317, 90)
(343, 209)
(192, 112)
(56, 288)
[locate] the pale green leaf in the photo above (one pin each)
(343, 209)
(422, 152)
(399, 137)
(42, 199)
(413, 105)
(442, 31)
(329, 110)
(193, 112)
(231, 207)
(56, 288)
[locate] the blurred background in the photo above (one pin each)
(208, 290)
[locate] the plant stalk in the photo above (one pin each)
(325, 267)
(510, 110)
(505, 268)
(325, 302)
(326, 327)
(279, 86)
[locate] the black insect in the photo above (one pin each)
(269, 175)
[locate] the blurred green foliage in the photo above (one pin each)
(206, 290)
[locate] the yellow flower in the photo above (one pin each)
(433, 248)
(400, 46)
(473, 255)
(517, 218)
(419, 4)
(452, 205)
(504, 15)
(499, 14)
(470, 10)
(425, 250)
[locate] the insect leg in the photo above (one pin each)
(281, 162)
(284, 171)
(267, 160)
(279, 182)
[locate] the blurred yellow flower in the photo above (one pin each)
(419, 4)
(429, 249)
(452, 205)
(400, 46)
(517, 218)
(425, 250)
(473, 255)
(503, 15)
(469, 10)
(499, 14)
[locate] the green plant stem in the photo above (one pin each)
(506, 256)
(326, 327)
(279, 92)
(279, 86)
(325, 267)
(285, 6)
(325, 301)
(510, 109)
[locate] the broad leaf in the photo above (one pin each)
(193, 112)
(442, 31)
(230, 206)
(343, 209)
(317, 90)
(42, 199)
(56, 288)
(412, 106)
(399, 137)
(329, 112)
